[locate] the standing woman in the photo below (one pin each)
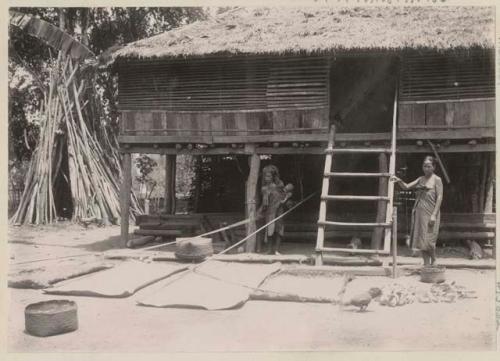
(425, 216)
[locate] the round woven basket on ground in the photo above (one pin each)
(432, 274)
(52, 317)
(193, 249)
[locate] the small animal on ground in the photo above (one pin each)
(355, 243)
(363, 299)
(475, 250)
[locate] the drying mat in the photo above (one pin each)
(39, 275)
(306, 288)
(212, 286)
(121, 281)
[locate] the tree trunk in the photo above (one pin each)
(84, 24)
(62, 19)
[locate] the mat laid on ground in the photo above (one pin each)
(306, 288)
(213, 285)
(39, 275)
(121, 281)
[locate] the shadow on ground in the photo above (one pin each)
(113, 242)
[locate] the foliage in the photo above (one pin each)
(99, 29)
(146, 166)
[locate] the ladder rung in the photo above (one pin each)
(357, 150)
(350, 250)
(354, 224)
(346, 174)
(354, 198)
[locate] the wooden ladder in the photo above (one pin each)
(328, 176)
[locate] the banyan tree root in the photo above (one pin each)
(93, 162)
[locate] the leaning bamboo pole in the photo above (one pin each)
(93, 165)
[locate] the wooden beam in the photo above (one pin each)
(452, 148)
(445, 101)
(474, 133)
(448, 235)
(291, 150)
(360, 174)
(125, 191)
(354, 198)
(350, 250)
(403, 134)
(408, 148)
(366, 149)
(354, 224)
(158, 232)
(440, 162)
(170, 173)
(251, 200)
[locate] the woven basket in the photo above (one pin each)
(52, 317)
(432, 274)
(193, 249)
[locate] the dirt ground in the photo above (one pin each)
(119, 325)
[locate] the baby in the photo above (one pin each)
(287, 194)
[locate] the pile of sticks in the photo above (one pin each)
(68, 135)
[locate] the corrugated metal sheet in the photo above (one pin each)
(260, 84)
(445, 77)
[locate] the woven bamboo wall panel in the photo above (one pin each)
(234, 84)
(447, 77)
(476, 113)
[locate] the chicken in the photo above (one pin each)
(363, 300)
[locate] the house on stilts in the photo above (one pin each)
(380, 87)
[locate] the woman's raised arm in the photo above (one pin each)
(403, 185)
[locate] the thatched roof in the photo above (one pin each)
(317, 29)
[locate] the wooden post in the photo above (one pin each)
(126, 188)
(170, 171)
(378, 232)
(394, 241)
(490, 186)
(251, 196)
(483, 180)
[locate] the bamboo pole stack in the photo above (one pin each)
(93, 163)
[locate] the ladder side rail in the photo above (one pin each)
(320, 238)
